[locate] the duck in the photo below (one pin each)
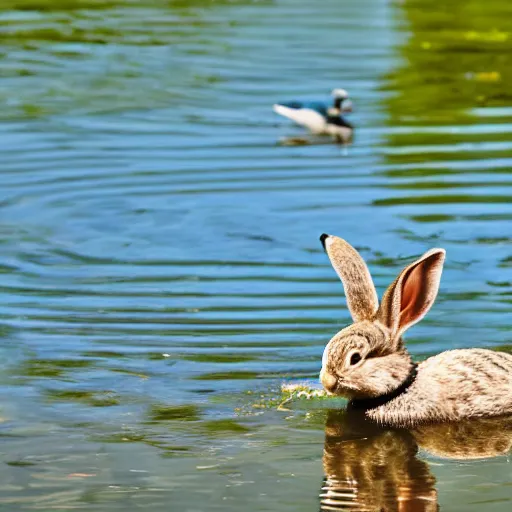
(320, 118)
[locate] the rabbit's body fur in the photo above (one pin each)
(451, 386)
(367, 361)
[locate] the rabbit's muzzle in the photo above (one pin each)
(329, 382)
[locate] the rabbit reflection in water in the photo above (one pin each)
(368, 363)
(372, 468)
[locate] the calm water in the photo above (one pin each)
(161, 274)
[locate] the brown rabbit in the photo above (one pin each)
(368, 363)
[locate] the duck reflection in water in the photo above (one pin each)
(371, 468)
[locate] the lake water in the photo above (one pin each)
(161, 274)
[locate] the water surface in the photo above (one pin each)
(161, 274)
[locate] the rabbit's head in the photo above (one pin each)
(368, 359)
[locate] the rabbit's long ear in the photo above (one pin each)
(409, 298)
(362, 300)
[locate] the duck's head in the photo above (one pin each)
(341, 102)
(339, 93)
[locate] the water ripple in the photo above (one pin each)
(160, 264)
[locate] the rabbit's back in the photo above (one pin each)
(451, 386)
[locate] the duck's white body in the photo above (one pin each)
(307, 117)
(319, 118)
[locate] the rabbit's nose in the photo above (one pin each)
(329, 382)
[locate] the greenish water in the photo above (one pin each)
(160, 270)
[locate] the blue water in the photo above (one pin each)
(161, 273)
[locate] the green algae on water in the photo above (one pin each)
(292, 395)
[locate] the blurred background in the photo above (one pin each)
(160, 269)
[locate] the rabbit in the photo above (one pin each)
(368, 363)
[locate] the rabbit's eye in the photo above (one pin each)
(355, 358)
